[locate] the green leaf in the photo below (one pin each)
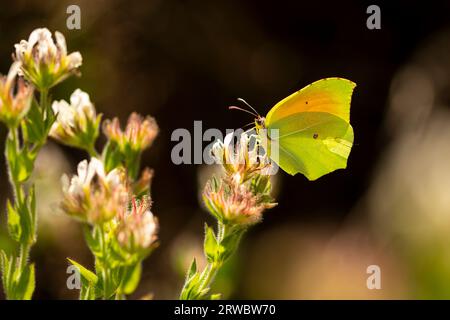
(215, 212)
(92, 239)
(118, 257)
(112, 157)
(7, 266)
(131, 278)
(27, 211)
(190, 288)
(191, 283)
(32, 212)
(230, 243)
(11, 150)
(261, 185)
(49, 118)
(26, 284)
(192, 270)
(216, 296)
(33, 125)
(14, 226)
(210, 244)
(87, 291)
(88, 275)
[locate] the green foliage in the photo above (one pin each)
(26, 283)
(36, 126)
(217, 249)
(18, 276)
(85, 273)
(18, 282)
(112, 156)
(117, 272)
(211, 247)
(14, 227)
(130, 278)
(191, 289)
(22, 218)
(20, 160)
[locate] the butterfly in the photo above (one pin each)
(309, 132)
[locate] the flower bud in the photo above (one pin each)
(77, 123)
(235, 203)
(93, 196)
(137, 228)
(14, 105)
(142, 186)
(139, 133)
(44, 62)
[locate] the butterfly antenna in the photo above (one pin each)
(244, 110)
(248, 105)
(248, 124)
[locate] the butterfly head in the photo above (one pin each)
(260, 123)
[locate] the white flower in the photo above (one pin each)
(92, 195)
(240, 160)
(77, 123)
(137, 229)
(44, 62)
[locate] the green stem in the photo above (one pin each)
(103, 262)
(14, 183)
(24, 244)
(24, 253)
(208, 275)
(24, 249)
(213, 267)
(120, 296)
(43, 100)
(92, 152)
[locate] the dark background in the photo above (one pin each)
(181, 61)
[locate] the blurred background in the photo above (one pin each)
(183, 61)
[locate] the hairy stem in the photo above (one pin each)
(26, 240)
(210, 271)
(212, 268)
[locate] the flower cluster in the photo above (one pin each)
(241, 160)
(235, 204)
(237, 199)
(137, 228)
(119, 232)
(93, 196)
(14, 105)
(44, 62)
(138, 135)
(77, 123)
(242, 195)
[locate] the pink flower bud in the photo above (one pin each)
(14, 101)
(137, 228)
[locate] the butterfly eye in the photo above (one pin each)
(315, 135)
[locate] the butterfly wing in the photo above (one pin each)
(313, 136)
